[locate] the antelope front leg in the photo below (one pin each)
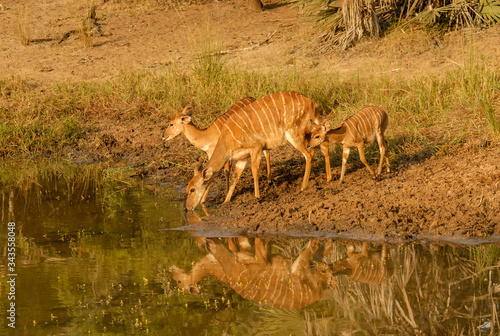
(256, 159)
(325, 149)
(308, 155)
(262, 250)
(300, 144)
(345, 155)
(239, 166)
(227, 173)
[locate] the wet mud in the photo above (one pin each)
(451, 196)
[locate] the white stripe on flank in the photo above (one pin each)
(363, 122)
(349, 130)
(217, 126)
(363, 125)
(274, 282)
(285, 110)
(250, 121)
(255, 112)
(352, 122)
(271, 112)
(233, 118)
(253, 288)
(278, 112)
(371, 121)
(304, 106)
(232, 134)
(269, 124)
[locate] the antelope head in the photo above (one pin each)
(177, 123)
(324, 276)
(318, 134)
(198, 186)
(184, 280)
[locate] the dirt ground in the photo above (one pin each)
(429, 195)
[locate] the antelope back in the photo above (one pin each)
(271, 120)
(366, 124)
(220, 121)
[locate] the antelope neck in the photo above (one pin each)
(200, 138)
(336, 135)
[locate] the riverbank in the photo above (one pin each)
(112, 100)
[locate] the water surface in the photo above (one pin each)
(95, 255)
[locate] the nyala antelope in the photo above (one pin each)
(262, 277)
(206, 139)
(370, 267)
(366, 126)
(265, 124)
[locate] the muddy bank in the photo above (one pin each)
(454, 196)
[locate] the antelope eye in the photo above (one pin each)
(192, 190)
(316, 137)
(171, 125)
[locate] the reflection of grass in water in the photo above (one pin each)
(41, 176)
(282, 322)
(109, 277)
(435, 290)
(24, 174)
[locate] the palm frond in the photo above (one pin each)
(490, 10)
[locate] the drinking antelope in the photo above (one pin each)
(273, 280)
(206, 139)
(366, 126)
(265, 124)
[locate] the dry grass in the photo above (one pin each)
(88, 26)
(427, 112)
(23, 29)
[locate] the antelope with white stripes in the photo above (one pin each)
(367, 266)
(366, 126)
(266, 278)
(265, 124)
(206, 139)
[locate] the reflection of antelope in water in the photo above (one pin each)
(371, 267)
(261, 277)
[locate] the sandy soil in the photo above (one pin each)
(428, 195)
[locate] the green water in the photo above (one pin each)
(94, 254)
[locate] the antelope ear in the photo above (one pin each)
(188, 110)
(186, 119)
(198, 168)
(207, 173)
(313, 123)
(326, 125)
